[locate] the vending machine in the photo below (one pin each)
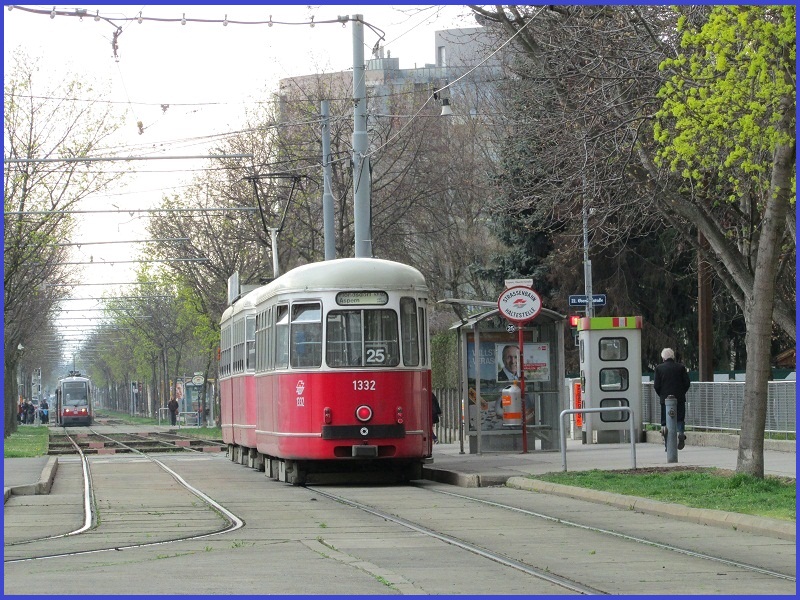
(610, 375)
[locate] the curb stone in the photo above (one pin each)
(43, 486)
(785, 530)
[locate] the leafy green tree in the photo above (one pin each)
(727, 125)
(589, 87)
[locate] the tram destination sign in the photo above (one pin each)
(362, 298)
(581, 300)
(519, 304)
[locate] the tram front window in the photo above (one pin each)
(75, 394)
(362, 338)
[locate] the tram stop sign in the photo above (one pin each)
(519, 304)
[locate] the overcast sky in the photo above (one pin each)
(207, 72)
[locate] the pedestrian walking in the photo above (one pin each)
(30, 413)
(44, 408)
(436, 410)
(672, 379)
(172, 405)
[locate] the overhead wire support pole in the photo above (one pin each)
(327, 196)
(361, 169)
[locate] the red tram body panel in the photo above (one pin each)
(244, 411)
(226, 409)
(336, 374)
(314, 416)
(237, 387)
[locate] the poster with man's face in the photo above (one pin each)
(536, 363)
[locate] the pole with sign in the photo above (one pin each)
(520, 304)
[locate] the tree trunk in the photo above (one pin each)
(10, 395)
(154, 386)
(759, 307)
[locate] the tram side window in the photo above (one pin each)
(238, 346)
(281, 336)
(225, 352)
(344, 339)
(381, 346)
(250, 340)
(267, 347)
(423, 325)
(306, 348)
(258, 338)
(262, 331)
(409, 331)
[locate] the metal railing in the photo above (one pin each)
(185, 419)
(449, 423)
(712, 405)
(717, 405)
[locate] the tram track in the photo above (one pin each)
(639, 540)
(494, 548)
(231, 522)
(509, 541)
(562, 582)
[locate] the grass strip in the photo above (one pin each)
(27, 441)
(698, 487)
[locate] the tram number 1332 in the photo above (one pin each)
(364, 385)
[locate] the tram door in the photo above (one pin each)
(611, 376)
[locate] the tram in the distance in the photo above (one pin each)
(74, 395)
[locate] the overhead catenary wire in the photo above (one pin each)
(341, 20)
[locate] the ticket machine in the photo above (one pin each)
(611, 375)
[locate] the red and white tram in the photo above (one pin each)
(236, 374)
(74, 399)
(342, 372)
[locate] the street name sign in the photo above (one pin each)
(581, 300)
(519, 282)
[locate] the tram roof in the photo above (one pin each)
(360, 273)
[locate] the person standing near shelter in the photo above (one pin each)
(172, 405)
(436, 410)
(672, 379)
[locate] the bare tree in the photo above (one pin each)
(45, 130)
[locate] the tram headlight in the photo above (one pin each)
(399, 415)
(327, 415)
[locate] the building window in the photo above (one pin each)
(441, 58)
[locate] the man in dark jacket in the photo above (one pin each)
(672, 379)
(172, 405)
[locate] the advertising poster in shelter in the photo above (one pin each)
(497, 365)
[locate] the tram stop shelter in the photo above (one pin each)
(484, 340)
